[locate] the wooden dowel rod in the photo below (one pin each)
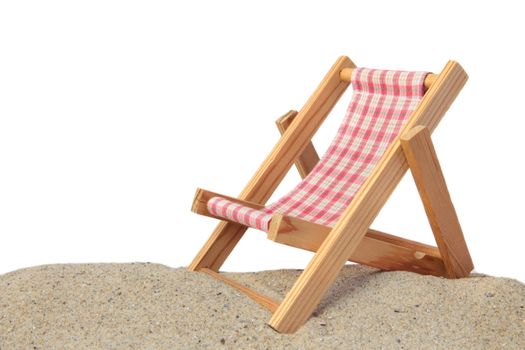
(346, 76)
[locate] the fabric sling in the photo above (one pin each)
(381, 103)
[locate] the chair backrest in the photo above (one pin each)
(382, 101)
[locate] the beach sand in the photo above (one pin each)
(151, 306)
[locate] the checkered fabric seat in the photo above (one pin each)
(381, 103)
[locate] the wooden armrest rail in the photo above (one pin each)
(200, 202)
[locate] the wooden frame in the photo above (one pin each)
(351, 237)
(308, 158)
(421, 156)
(276, 165)
(377, 249)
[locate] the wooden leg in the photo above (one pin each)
(422, 159)
(218, 247)
(316, 278)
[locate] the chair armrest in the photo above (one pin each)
(200, 202)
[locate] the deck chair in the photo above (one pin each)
(385, 132)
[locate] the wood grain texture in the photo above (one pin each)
(346, 75)
(353, 224)
(426, 170)
(200, 202)
(376, 249)
(263, 300)
(309, 158)
(276, 165)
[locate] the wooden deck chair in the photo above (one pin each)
(385, 132)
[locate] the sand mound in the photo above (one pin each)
(149, 306)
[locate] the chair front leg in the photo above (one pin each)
(426, 170)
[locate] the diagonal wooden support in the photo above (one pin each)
(271, 172)
(345, 237)
(309, 158)
(424, 164)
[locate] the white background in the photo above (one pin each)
(113, 112)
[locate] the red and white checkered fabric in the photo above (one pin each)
(239, 213)
(382, 102)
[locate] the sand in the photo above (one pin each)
(150, 306)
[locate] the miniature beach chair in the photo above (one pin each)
(385, 132)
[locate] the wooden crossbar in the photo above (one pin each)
(376, 249)
(263, 300)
